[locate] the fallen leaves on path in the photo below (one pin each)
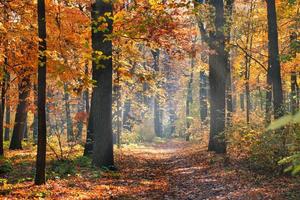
(171, 170)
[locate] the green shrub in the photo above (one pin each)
(5, 166)
(62, 168)
(260, 148)
(83, 161)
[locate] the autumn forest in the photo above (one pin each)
(150, 99)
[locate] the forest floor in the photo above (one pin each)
(167, 170)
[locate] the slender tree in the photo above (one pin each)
(4, 85)
(70, 132)
(7, 116)
(40, 177)
(189, 98)
(157, 109)
(203, 96)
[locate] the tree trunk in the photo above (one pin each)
(203, 96)
(126, 113)
(229, 99)
(42, 129)
(88, 147)
(217, 81)
(25, 131)
(189, 97)
(3, 89)
(294, 87)
(7, 114)
(21, 113)
(157, 109)
(274, 64)
(4, 86)
(70, 132)
(80, 109)
(102, 93)
(35, 117)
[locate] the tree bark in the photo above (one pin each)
(42, 129)
(88, 147)
(229, 99)
(21, 113)
(274, 64)
(35, 117)
(102, 93)
(217, 81)
(7, 114)
(2, 105)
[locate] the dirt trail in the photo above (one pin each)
(173, 170)
(180, 170)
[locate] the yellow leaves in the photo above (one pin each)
(2, 28)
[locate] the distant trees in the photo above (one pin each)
(40, 177)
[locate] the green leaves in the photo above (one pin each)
(283, 121)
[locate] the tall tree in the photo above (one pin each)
(7, 115)
(102, 93)
(229, 99)
(189, 98)
(217, 80)
(274, 71)
(157, 110)
(218, 72)
(2, 106)
(40, 177)
(21, 113)
(4, 83)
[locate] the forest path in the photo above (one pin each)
(186, 171)
(169, 170)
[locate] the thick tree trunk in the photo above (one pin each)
(21, 114)
(42, 129)
(274, 63)
(217, 81)
(102, 93)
